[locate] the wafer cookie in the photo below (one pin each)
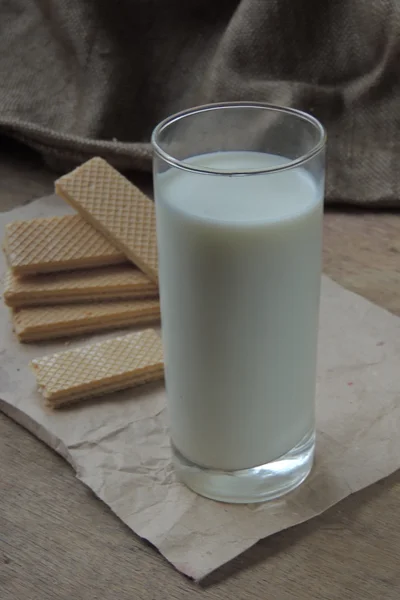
(92, 285)
(47, 322)
(101, 368)
(56, 244)
(117, 208)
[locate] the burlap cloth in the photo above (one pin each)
(85, 77)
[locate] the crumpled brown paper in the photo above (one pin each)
(119, 446)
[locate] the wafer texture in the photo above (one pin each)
(101, 368)
(55, 244)
(117, 208)
(107, 283)
(47, 322)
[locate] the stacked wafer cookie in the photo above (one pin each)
(84, 259)
(87, 272)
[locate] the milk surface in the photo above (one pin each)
(239, 283)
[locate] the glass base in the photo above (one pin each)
(258, 484)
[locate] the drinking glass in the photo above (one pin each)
(239, 200)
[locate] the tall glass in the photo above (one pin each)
(239, 201)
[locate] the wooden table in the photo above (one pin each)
(59, 542)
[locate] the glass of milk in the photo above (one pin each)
(239, 200)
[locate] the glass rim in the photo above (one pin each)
(180, 164)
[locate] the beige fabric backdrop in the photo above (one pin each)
(85, 77)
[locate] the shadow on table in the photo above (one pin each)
(359, 209)
(340, 517)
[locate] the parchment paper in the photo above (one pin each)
(119, 446)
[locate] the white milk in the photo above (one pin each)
(239, 280)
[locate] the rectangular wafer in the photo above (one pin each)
(56, 244)
(92, 285)
(47, 322)
(116, 208)
(101, 368)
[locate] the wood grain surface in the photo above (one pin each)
(59, 542)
